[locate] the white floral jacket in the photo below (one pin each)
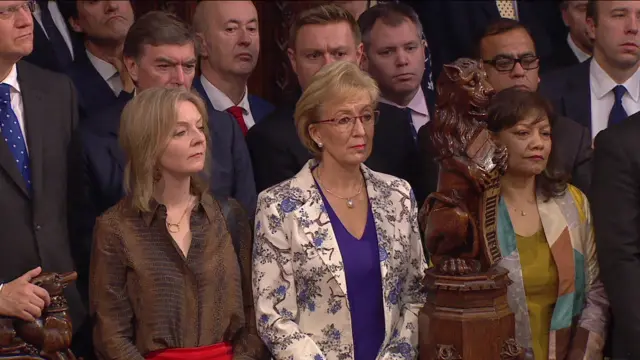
(299, 284)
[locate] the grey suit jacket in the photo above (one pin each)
(34, 226)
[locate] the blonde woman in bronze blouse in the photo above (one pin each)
(166, 282)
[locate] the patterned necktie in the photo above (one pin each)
(237, 113)
(412, 127)
(506, 9)
(60, 47)
(618, 113)
(12, 135)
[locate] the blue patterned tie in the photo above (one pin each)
(409, 117)
(12, 135)
(617, 113)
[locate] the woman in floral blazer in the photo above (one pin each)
(320, 291)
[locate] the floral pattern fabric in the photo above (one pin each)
(299, 282)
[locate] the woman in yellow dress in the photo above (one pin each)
(546, 238)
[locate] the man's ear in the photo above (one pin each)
(74, 24)
(364, 63)
(132, 68)
(359, 54)
(201, 45)
(292, 59)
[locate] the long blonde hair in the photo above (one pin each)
(145, 129)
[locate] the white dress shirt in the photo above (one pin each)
(418, 107)
(221, 101)
(58, 20)
(581, 55)
(108, 72)
(16, 100)
(602, 97)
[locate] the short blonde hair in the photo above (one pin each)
(145, 129)
(339, 80)
(323, 15)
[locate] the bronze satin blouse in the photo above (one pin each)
(146, 296)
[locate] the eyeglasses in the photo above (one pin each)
(506, 64)
(8, 12)
(345, 124)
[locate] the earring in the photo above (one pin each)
(156, 175)
(320, 145)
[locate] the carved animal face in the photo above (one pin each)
(54, 283)
(464, 86)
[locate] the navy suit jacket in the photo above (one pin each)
(260, 108)
(98, 180)
(570, 92)
(94, 94)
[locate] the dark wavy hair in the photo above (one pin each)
(512, 105)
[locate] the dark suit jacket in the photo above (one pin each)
(562, 58)
(94, 92)
(615, 204)
(260, 108)
(43, 53)
(34, 227)
(571, 151)
(570, 92)
(99, 178)
(452, 28)
(278, 154)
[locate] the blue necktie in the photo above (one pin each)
(12, 135)
(617, 113)
(409, 118)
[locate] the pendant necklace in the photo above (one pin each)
(349, 199)
(175, 227)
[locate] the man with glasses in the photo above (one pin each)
(509, 56)
(38, 112)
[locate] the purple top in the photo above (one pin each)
(361, 261)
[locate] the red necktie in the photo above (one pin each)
(237, 113)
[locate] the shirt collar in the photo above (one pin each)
(105, 69)
(12, 79)
(581, 55)
(602, 83)
(417, 104)
(220, 100)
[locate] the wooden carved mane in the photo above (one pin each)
(459, 218)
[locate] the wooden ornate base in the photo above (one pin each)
(468, 318)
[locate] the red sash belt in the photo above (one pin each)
(220, 351)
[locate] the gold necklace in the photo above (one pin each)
(349, 199)
(175, 228)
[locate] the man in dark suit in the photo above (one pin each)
(230, 44)
(38, 113)
(319, 36)
(97, 72)
(394, 55)
(54, 44)
(452, 27)
(510, 59)
(615, 204)
(579, 45)
(169, 62)
(603, 90)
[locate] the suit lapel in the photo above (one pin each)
(319, 237)
(36, 114)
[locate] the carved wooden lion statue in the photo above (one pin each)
(457, 219)
(49, 337)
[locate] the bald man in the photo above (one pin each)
(230, 44)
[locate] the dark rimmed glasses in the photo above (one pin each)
(345, 123)
(506, 64)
